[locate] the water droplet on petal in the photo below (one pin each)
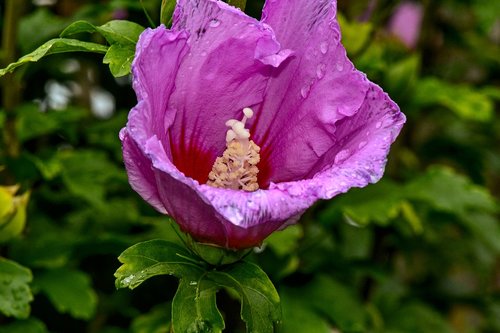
(323, 47)
(320, 71)
(378, 125)
(203, 54)
(304, 92)
(339, 66)
(362, 144)
(214, 23)
(341, 156)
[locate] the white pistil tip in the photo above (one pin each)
(230, 136)
(231, 122)
(248, 112)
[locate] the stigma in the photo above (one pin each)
(237, 167)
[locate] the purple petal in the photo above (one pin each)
(323, 127)
(140, 173)
(360, 156)
(181, 197)
(233, 219)
(227, 69)
(154, 68)
(158, 56)
(309, 94)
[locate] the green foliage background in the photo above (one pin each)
(417, 252)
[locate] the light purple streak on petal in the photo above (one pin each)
(218, 77)
(406, 23)
(313, 90)
(361, 157)
(140, 174)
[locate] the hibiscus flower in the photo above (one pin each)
(273, 105)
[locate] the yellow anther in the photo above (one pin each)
(237, 168)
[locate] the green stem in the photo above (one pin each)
(11, 87)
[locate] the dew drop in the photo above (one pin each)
(320, 71)
(362, 144)
(193, 283)
(126, 281)
(214, 23)
(341, 156)
(378, 125)
(352, 222)
(323, 47)
(304, 92)
(203, 54)
(339, 66)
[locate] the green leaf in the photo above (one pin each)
(492, 92)
(416, 318)
(167, 10)
(487, 14)
(115, 32)
(47, 245)
(156, 257)
(30, 325)
(485, 227)
(69, 291)
(78, 27)
(447, 191)
(379, 203)
(88, 173)
(285, 241)
(120, 57)
(336, 302)
(466, 102)
(260, 302)
(121, 32)
(297, 317)
(53, 46)
(401, 76)
(15, 293)
(156, 321)
(194, 307)
(33, 123)
(355, 34)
